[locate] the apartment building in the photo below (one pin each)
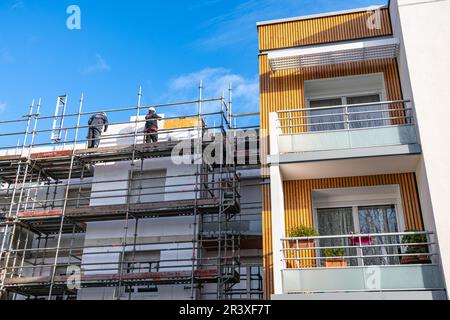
(131, 220)
(352, 108)
(343, 196)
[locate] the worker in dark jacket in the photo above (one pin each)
(97, 123)
(151, 126)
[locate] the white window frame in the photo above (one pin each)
(363, 200)
(344, 94)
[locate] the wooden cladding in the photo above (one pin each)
(298, 204)
(342, 27)
(298, 207)
(267, 241)
(284, 90)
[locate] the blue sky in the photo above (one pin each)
(165, 46)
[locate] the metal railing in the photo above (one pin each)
(398, 248)
(346, 117)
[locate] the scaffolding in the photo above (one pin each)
(51, 193)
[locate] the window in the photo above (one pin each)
(344, 91)
(324, 119)
(367, 220)
(369, 210)
(79, 198)
(141, 262)
(148, 186)
(359, 116)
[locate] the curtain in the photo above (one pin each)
(379, 219)
(336, 221)
(366, 117)
(326, 115)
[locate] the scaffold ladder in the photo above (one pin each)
(58, 121)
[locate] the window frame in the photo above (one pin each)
(362, 201)
(344, 94)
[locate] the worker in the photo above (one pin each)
(97, 123)
(151, 126)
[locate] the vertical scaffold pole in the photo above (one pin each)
(230, 105)
(198, 152)
(221, 199)
(66, 195)
(129, 196)
(9, 215)
(30, 149)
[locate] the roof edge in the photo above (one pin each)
(320, 15)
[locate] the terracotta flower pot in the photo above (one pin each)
(335, 263)
(308, 246)
(302, 244)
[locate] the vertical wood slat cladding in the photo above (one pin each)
(321, 30)
(267, 241)
(298, 204)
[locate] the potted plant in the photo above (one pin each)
(302, 232)
(415, 248)
(334, 258)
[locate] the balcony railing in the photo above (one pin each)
(397, 261)
(385, 123)
(359, 249)
(346, 117)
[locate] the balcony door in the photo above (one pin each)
(361, 91)
(376, 219)
(330, 116)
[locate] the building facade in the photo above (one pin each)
(356, 204)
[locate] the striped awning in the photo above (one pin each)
(322, 55)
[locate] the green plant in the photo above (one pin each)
(302, 231)
(334, 253)
(415, 238)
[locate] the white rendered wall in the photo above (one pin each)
(278, 226)
(425, 68)
(113, 231)
(177, 175)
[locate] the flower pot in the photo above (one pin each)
(419, 259)
(415, 260)
(335, 263)
(364, 241)
(302, 244)
(308, 251)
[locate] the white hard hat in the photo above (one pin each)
(151, 109)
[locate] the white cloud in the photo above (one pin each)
(216, 82)
(3, 106)
(100, 66)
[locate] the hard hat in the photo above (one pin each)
(104, 113)
(151, 109)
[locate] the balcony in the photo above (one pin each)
(389, 265)
(361, 132)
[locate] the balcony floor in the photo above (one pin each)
(293, 169)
